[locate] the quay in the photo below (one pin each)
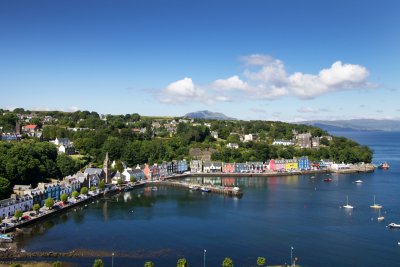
(230, 191)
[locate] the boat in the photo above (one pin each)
(384, 166)
(394, 225)
(380, 218)
(376, 206)
(347, 206)
(328, 180)
(154, 188)
(6, 238)
(358, 182)
(207, 190)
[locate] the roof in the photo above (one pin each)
(22, 187)
(92, 171)
(30, 126)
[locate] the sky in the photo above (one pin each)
(251, 60)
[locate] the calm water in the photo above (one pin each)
(273, 215)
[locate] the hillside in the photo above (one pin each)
(208, 115)
(356, 124)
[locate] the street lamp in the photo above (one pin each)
(291, 256)
(112, 259)
(204, 261)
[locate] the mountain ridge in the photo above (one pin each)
(206, 114)
(356, 125)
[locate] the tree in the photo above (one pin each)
(66, 165)
(64, 198)
(98, 263)
(84, 190)
(57, 264)
(36, 208)
(75, 194)
(18, 214)
(227, 262)
(148, 264)
(133, 179)
(260, 261)
(182, 263)
(5, 188)
(15, 265)
(49, 203)
(120, 182)
(102, 185)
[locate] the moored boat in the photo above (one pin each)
(359, 182)
(328, 180)
(376, 206)
(394, 225)
(204, 189)
(384, 166)
(5, 238)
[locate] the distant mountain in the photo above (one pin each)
(356, 125)
(205, 114)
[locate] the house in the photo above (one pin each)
(117, 177)
(232, 145)
(10, 205)
(241, 168)
(339, 166)
(291, 165)
(163, 169)
(249, 137)
(172, 168)
(315, 142)
(72, 182)
(146, 171)
(30, 128)
(303, 164)
(64, 146)
(271, 165)
(22, 190)
(182, 166)
(129, 173)
(95, 171)
(255, 167)
(228, 167)
(196, 166)
(155, 172)
(282, 143)
(214, 134)
(280, 165)
(209, 166)
(51, 190)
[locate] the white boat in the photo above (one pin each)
(347, 206)
(376, 206)
(359, 181)
(394, 225)
(380, 218)
(154, 188)
(203, 189)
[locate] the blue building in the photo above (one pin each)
(304, 164)
(182, 166)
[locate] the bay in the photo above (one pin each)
(275, 214)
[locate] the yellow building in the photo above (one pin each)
(291, 165)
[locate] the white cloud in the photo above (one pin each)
(231, 83)
(182, 91)
(311, 110)
(266, 78)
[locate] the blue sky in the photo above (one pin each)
(269, 60)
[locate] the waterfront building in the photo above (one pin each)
(51, 190)
(22, 190)
(339, 166)
(255, 167)
(280, 165)
(304, 164)
(291, 165)
(271, 165)
(212, 167)
(241, 168)
(135, 173)
(228, 167)
(196, 166)
(146, 171)
(117, 177)
(182, 166)
(155, 172)
(163, 169)
(10, 205)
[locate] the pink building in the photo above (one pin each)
(228, 168)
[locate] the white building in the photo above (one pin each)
(249, 137)
(10, 205)
(282, 143)
(232, 145)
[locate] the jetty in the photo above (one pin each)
(229, 191)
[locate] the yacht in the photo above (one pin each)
(376, 206)
(347, 206)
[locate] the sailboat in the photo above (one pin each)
(376, 206)
(347, 206)
(380, 218)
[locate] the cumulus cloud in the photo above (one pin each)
(231, 83)
(266, 78)
(182, 91)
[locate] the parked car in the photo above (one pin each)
(26, 218)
